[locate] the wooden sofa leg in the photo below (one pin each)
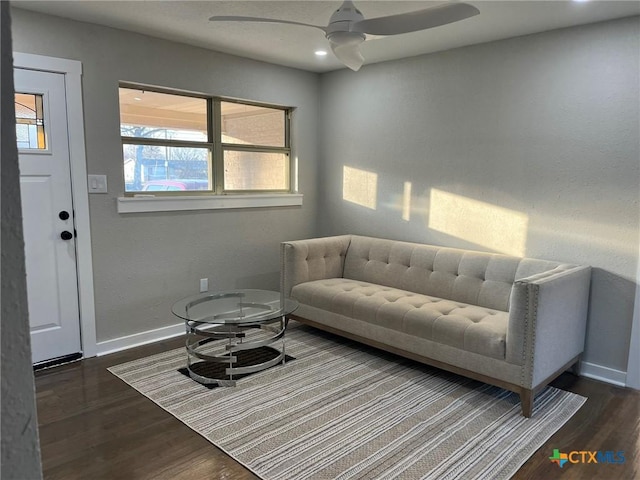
(526, 401)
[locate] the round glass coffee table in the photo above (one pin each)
(229, 315)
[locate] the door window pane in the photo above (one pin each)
(30, 121)
(252, 125)
(145, 114)
(162, 168)
(255, 170)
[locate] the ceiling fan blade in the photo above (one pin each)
(261, 20)
(349, 54)
(418, 20)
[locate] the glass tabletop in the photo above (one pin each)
(234, 307)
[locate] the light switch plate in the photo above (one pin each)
(97, 184)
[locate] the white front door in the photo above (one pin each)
(47, 212)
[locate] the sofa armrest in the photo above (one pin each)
(312, 259)
(547, 321)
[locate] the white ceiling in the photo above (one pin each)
(293, 46)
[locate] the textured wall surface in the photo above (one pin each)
(20, 449)
(145, 262)
(527, 146)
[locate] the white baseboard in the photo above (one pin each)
(138, 339)
(603, 374)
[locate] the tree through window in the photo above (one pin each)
(175, 142)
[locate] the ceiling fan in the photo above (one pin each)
(348, 28)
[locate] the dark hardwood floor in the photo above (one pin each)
(94, 426)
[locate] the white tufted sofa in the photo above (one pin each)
(512, 322)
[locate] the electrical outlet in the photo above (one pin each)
(204, 284)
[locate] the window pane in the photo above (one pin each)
(252, 125)
(158, 168)
(30, 121)
(256, 171)
(145, 114)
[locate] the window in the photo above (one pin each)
(30, 132)
(254, 147)
(180, 143)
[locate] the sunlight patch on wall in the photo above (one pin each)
(406, 202)
(360, 187)
(500, 229)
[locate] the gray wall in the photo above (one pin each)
(20, 450)
(145, 262)
(524, 146)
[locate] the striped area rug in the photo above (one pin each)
(344, 411)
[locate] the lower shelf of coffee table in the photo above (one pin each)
(221, 354)
(255, 359)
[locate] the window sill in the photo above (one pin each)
(142, 204)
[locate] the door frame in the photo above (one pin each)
(72, 71)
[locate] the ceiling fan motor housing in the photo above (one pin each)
(339, 28)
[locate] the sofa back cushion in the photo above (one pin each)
(467, 276)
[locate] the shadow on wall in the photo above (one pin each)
(263, 281)
(611, 306)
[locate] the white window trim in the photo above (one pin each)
(148, 203)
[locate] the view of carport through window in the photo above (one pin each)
(175, 142)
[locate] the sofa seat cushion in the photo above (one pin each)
(475, 329)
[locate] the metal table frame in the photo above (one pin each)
(270, 317)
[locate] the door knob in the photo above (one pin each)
(66, 235)
(64, 215)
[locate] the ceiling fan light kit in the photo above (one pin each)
(348, 28)
(344, 40)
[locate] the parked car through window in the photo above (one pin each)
(174, 142)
